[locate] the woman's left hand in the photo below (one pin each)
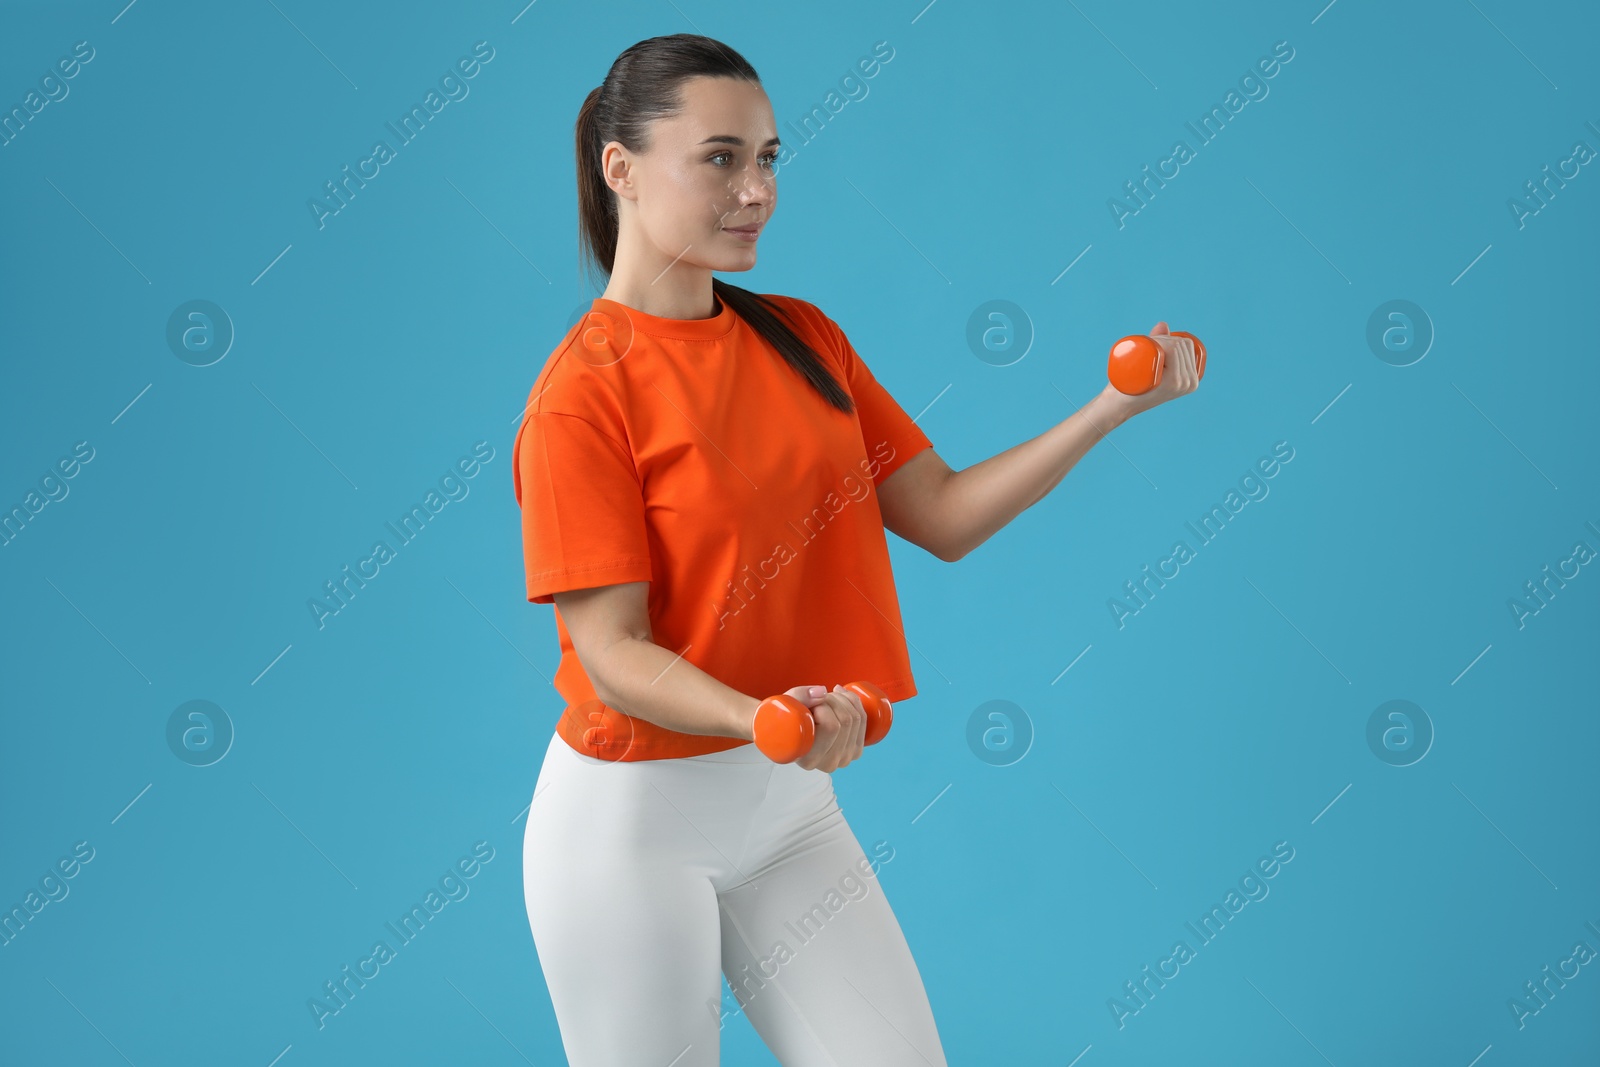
(1179, 378)
(841, 731)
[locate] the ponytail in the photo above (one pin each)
(597, 205)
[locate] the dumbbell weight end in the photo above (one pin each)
(1138, 362)
(785, 731)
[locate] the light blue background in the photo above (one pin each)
(1228, 715)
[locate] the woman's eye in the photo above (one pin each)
(771, 158)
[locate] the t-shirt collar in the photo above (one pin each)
(716, 326)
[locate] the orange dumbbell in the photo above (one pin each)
(1137, 362)
(785, 730)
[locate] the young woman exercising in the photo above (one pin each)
(705, 476)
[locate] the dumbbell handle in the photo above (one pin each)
(785, 730)
(1137, 362)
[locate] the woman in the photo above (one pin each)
(705, 476)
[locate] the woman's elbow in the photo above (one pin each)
(949, 553)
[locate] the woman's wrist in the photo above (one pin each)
(1109, 409)
(743, 721)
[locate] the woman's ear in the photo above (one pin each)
(616, 167)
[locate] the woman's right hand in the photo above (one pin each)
(841, 724)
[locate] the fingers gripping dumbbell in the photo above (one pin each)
(1138, 362)
(785, 730)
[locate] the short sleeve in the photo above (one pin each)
(582, 505)
(890, 436)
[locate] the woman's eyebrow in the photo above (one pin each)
(737, 142)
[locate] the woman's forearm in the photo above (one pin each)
(978, 500)
(640, 678)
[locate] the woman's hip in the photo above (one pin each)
(713, 813)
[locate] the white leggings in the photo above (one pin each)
(647, 881)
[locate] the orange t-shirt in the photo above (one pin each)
(689, 454)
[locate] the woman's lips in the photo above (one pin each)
(749, 234)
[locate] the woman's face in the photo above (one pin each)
(709, 169)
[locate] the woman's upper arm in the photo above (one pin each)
(598, 617)
(908, 499)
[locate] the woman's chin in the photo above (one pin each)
(735, 262)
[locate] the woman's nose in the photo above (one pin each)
(752, 183)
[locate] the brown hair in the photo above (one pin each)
(644, 84)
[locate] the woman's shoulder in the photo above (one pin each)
(810, 319)
(576, 378)
(795, 306)
(815, 326)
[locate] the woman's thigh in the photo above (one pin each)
(811, 947)
(623, 911)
